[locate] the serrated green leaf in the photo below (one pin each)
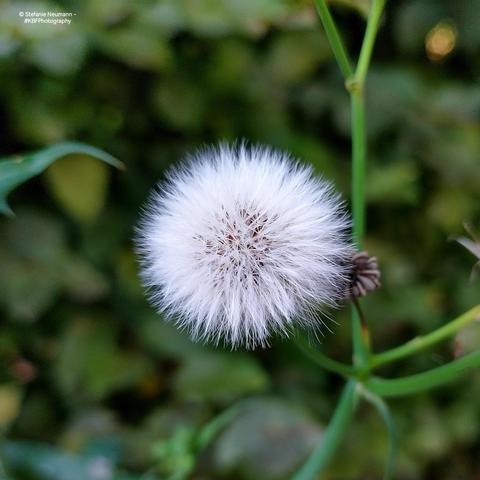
(18, 169)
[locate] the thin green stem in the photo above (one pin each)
(387, 417)
(424, 381)
(420, 343)
(368, 41)
(334, 38)
(321, 359)
(332, 437)
(358, 166)
(359, 334)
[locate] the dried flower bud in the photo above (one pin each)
(365, 275)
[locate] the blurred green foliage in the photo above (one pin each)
(94, 385)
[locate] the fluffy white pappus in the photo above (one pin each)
(240, 242)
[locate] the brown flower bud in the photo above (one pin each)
(365, 275)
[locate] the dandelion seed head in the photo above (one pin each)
(240, 242)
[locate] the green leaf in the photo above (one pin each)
(31, 271)
(82, 282)
(215, 18)
(34, 273)
(268, 439)
(91, 365)
(137, 47)
(165, 339)
(10, 400)
(175, 454)
(18, 169)
(220, 376)
(297, 55)
(62, 54)
(79, 184)
(394, 183)
(181, 102)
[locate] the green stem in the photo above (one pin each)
(387, 417)
(368, 41)
(321, 359)
(358, 165)
(360, 345)
(360, 334)
(332, 437)
(334, 38)
(424, 381)
(359, 148)
(423, 342)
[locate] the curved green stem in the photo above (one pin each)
(384, 412)
(420, 343)
(321, 359)
(420, 382)
(332, 437)
(334, 38)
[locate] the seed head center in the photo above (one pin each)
(238, 242)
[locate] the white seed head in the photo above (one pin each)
(241, 242)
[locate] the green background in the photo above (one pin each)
(94, 385)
